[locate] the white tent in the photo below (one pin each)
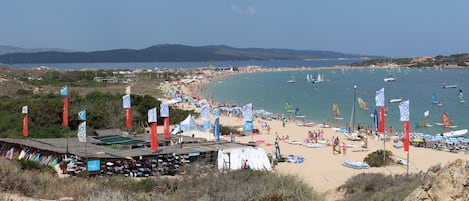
(188, 124)
(257, 158)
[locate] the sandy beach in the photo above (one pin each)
(322, 169)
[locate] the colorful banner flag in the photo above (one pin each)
(153, 137)
(216, 129)
(152, 116)
(82, 115)
(406, 135)
(404, 110)
(247, 112)
(381, 120)
(375, 120)
(126, 101)
(205, 112)
(65, 112)
(380, 98)
(25, 125)
(64, 91)
(247, 126)
(166, 128)
(82, 132)
(24, 110)
(216, 112)
(164, 110)
(128, 118)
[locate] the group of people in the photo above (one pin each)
(336, 146)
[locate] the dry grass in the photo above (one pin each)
(193, 185)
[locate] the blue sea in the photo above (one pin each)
(270, 91)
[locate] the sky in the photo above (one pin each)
(397, 28)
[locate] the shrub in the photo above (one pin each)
(376, 158)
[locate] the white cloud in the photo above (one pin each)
(240, 10)
(251, 10)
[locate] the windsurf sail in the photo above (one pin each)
(297, 111)
(461, 96)
(362, 103)
(287, 106)
(426, 113)
(434, 99)
(335, 110)
(446, 120)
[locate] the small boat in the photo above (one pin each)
(352, 136)
(292, 80)
(395, 100)
(456, 133)
(362, 103)
(389, 79)
(336, 111)
(461, 96)
(446, 121)
(447, 86)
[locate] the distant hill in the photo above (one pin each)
(11, 49)
(172, 53)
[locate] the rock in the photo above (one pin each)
(449, 183)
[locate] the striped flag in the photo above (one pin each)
(82, 132)
(205, 111)
(126, 101)
(152, 115)
(404, 110)
(247, 112)
(164, 110)
(380, 97)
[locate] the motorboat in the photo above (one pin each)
(395, 100)
(389, 79)
(456, 133)
(446, 86)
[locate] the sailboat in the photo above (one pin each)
(461, 96)
(336, 111)
(288, 107)
(362, 103)
(350, 135)
(320, 78)
(292, 79)
(298, 113)
(424, 123)
(446, 121)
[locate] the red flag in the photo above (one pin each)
(153, 137)
(381, 120)
(65, 112)
(25, 125)
(128, 118)
(406, 135)
(166, 128)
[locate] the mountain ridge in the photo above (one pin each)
(171, 53)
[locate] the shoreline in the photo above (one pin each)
(321, 169)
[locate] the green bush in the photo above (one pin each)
(376, 158)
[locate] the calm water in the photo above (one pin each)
(270, 91)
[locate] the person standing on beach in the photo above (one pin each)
(268, 129)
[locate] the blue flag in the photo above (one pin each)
(64, 90)
(375, 120)
(216, 129)
(82, 115)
